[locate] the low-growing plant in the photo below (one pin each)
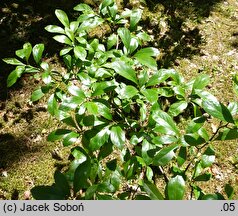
(129, 122)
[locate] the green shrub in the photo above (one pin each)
(123, 113)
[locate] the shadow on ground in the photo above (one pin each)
(179, 40)
(13, 149)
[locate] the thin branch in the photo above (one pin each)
(164, 174)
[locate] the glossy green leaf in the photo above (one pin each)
(83, 7)
(197, 191)
(217, 110)
(143, 112)
(197, 170)
(62, 16)
(203, 177)
(74, 26)
(180, 92)
(27, 49)
(207, 160)
(103, 72)
(37, 52)
(148, 51)
(177, 108)
(89, 120)
(105, 150)
(143, 36)
(135, 139)
(13, 61)
(210, 151)
(201, 82)
(146, 147)
(90, 21)
(25, 52)
(92, 108)
(100, 87)
(111, 41)
(63, 39)
(233, 108)
(125, 36)
(149, 173)
(213, 107)
(204, 134)
(197, 112)
(62, 183)
(70, 173)
(14, 75)
(176, 188)
(71, 103)
(228, 134)
(142, 197)
(165, 155)
(21, 53)
(58, 134)
(79, 154)
(162, 75)
(62, 115)
(70, 138)
(70, 122)
(152, 191)
(104, 197)
(96, 172)
(229, 191)
(125, 71)
(104, 110)
(195, 124)
(144, 56)
(46, 77)
(143, 77)
(80, 53)
(126, 91)
(106, 3)
(112, 11)
(130, 168)
(37, 94)
(151, 95)
(45, 66)
(117, 136)
(76, 91)
(99, 139)
(135, 18)
(84, 17)
(165, 92)
(182, 156)
(47, 193)
(141, 161)
(194, 139)
(52, 105)
(69, 33)
(81, 176)
(54, 29)
(165, 123)
(235, 83)
(90, 192)
(210, 197)
(133, 44)
(165, 139)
